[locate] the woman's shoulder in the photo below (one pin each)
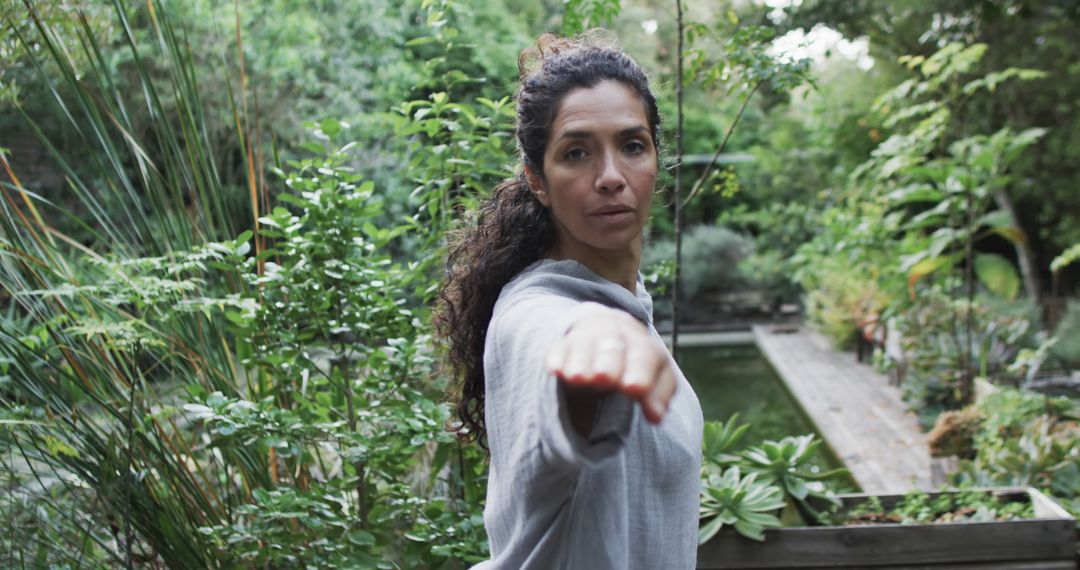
(556, 285)
(549, 285)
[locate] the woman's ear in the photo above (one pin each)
(536, 186)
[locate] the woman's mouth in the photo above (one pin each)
(614, 215)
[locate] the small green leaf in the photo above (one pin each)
(330, 127)
(997, 274)
(914, 193)
(261, 496)
(926, 267)
(709, 530)
(422, 40)
(1067, 257)
(361, 538)
(57, 447)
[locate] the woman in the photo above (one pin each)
(594, 434)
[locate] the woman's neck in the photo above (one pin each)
(619, 267)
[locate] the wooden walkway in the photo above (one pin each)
(863, 419)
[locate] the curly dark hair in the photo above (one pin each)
(512, 229)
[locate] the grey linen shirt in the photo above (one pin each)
(626, 497)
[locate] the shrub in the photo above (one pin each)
(840, 296)
(710, 264)
(1027, 439)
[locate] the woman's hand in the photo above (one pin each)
(609, 350)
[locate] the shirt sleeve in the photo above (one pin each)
(528, 404)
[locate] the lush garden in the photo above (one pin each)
(221, 228)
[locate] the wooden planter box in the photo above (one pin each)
(1045, 542)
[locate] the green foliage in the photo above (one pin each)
(1067, 335)
(946, 199)
(720, 440)
(918, 507)
(788, 463)
(579, 15)
(1019, 35)
(197, 399)
(934, 346)
(744, 60)
(710, 257)
(333, 403)
(778, 474)
(1027, 439)
(1067, 257)
(731, 499)
(778, 229)
(335, 283)
(934, 191)
(19, 21)
(457, 143)
(841, 298)
(998, 275)
(740, 65)
(658, 276)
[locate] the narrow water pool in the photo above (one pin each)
(737, 378)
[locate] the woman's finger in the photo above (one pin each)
(642, 366)
(556, 357)
(659, 398)
(608, 360)
(577, 365)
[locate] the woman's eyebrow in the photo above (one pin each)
(627, 132)
(631, 131)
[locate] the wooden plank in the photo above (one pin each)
(1044, 507)
(893, 545)
(1005, 565)
(862, 418)
(1041, 543)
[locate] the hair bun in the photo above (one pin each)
(549, 45)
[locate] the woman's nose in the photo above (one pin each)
(610, 178)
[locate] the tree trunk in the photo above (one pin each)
(676, 285)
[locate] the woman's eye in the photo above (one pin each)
(635, 147)
(575, 154)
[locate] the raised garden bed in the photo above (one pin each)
(1044, 542)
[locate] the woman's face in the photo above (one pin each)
(600, 167)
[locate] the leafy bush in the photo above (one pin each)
(710, 263)
(936, 341)
(711, 256)
(313, 434)
(840, 297)
(1027, 439)
(902, 240)
(337, 367)
(777, 230)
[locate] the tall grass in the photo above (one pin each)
(84, 357)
